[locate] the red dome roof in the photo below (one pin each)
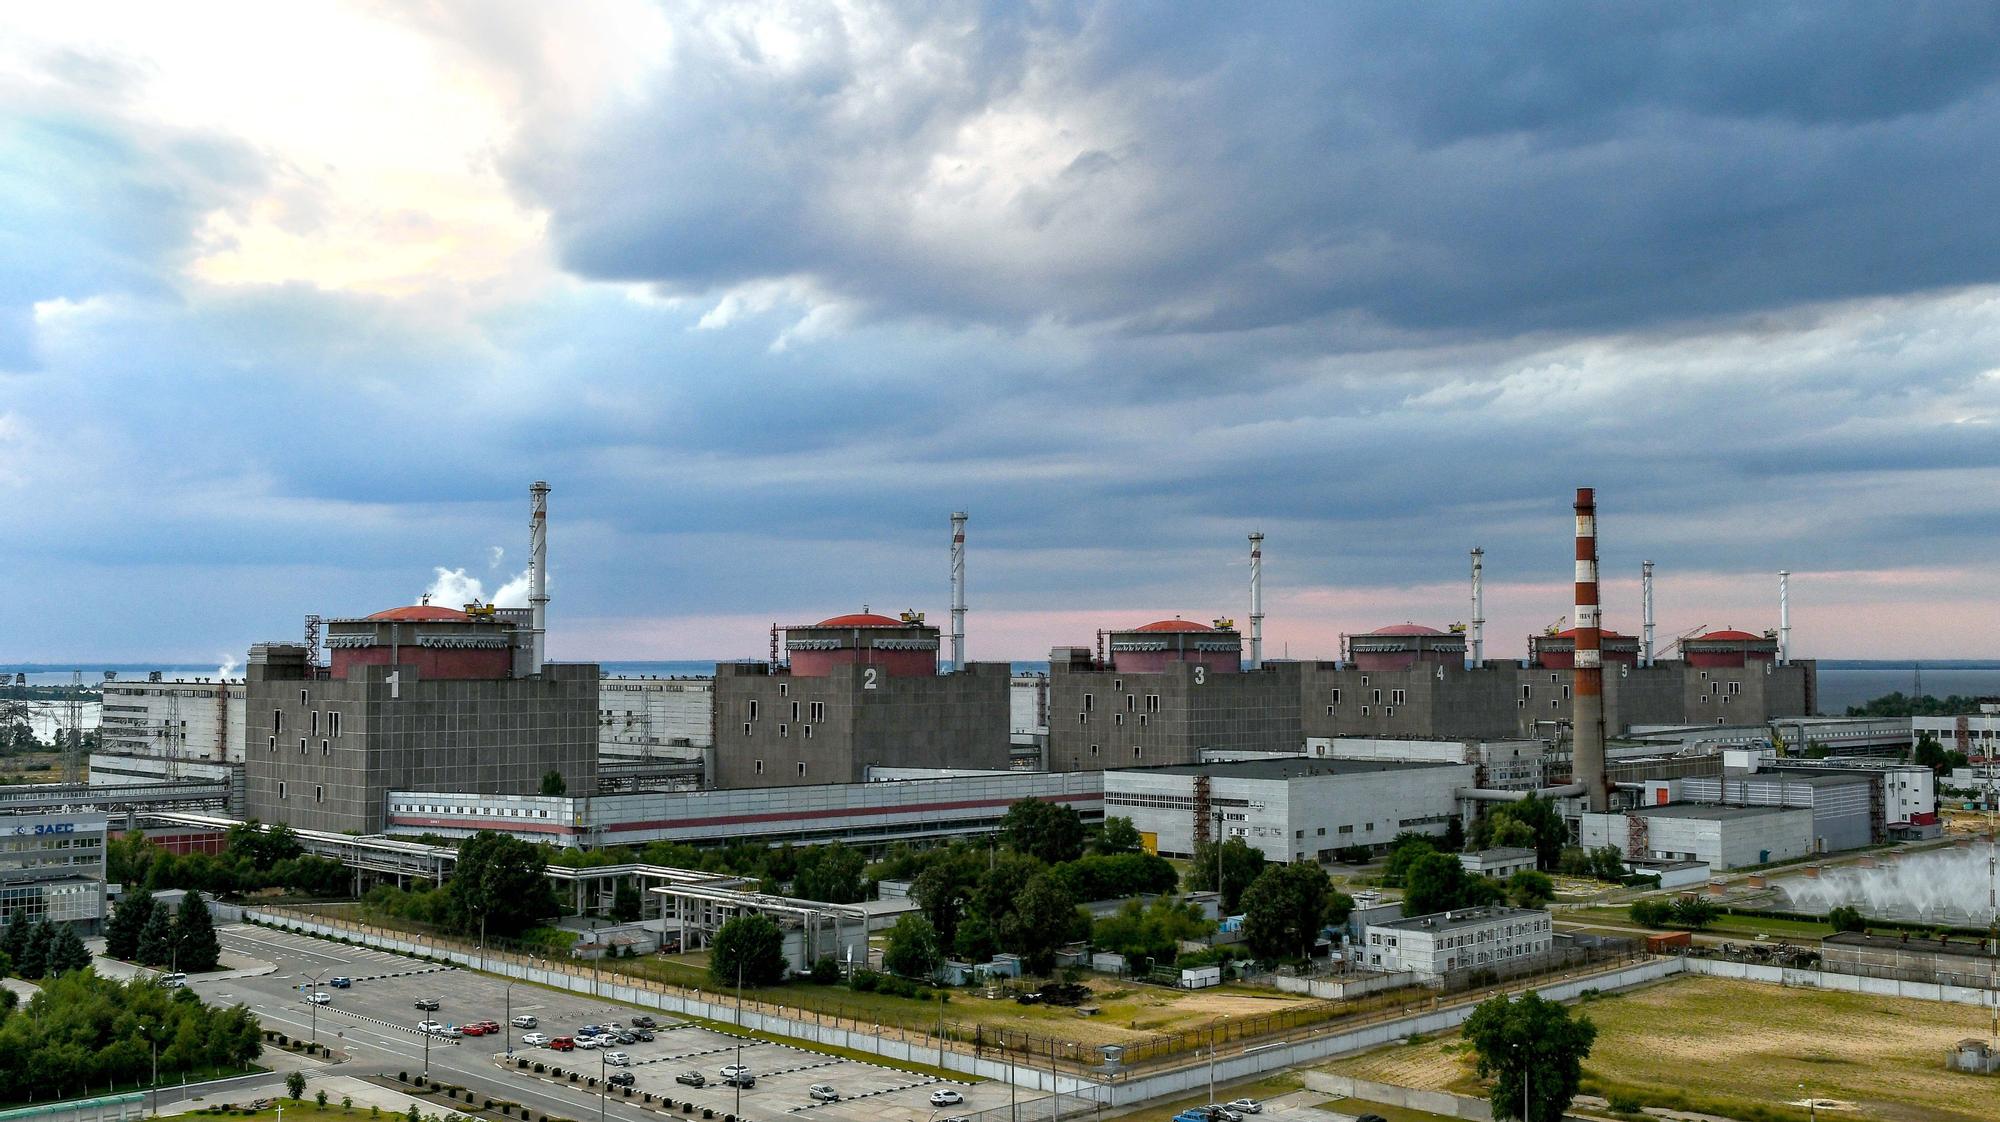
(1174, 625)
(416, 613)
(861, 619)
(1602, 633)
(1406, 629)
(1728, 635)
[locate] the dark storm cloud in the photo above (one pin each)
(1453, 170)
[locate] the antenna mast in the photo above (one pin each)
(72, 755)
(170, 743)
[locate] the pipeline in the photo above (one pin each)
(1484, 795)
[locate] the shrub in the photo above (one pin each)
(1624, 1103)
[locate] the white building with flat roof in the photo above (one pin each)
(1975, 734)
(1435, 946)
(196, 720)
(655, 718)
(52, 867)
(1722, 837)
(1498, 863)
(1293, 808)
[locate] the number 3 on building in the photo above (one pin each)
(1200, 675)
(868, 678)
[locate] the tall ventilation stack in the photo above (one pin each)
(1587, 716)
(1478, 607)
(538, 574)
(957, 591)
(1646, 605)
(1784, 617)
(1256, 600)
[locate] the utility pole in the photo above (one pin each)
(510, 1017)
(738, 1081)
(1220, 894)
(602, 1087)
(312, 997)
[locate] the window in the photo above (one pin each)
(1117, 685)
(1364, 710)
(760, 767)
(1396, 696)
(1336, 697)
(326, 748)
(795, 710)
(333, 722)
(1322, 831)
(809, 732)
(1137, 752)
(753, 708)
(818, 711)
(1118, 719)
(304, 699)
(302, 745)
(281, 788)
(1131, 703)
(747, 726)
(1089, 703)
(319, 793)
(1364, 679)
(1565, 693)
(1735, 687)
(1152, 703)
(315, 722)
(1375, 696)
(1527, 691)
(1388, 710)
(1300, 834)
(277, 720)
(1093, 749)
(785, 690)
(802, 767)
(274, 744)
(1348, 829)
(784, 729)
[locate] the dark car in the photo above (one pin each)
(621, 1079)
(627, 1038)
(741, 1079)
(643, 1021)
(642, 1035)
(340, 983)
(1370, 1118)
(691, 1078)
(430, 1003)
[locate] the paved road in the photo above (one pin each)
(375, 1023)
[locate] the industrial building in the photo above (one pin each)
(52, 868)
(1975, 734)
(1294, 809)
(1721, 837)
(942, 806)
(1162, 694)
(858, 691)
(198, 719)
(417, 698)
(1434, 947)
(1505, 765)
(655, 719)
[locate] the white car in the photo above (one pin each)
(320, 997)
(430, 1026)
(1245, 1106)
(173, 980)
(535, 1039)
(617, 1059)
(526, 1020)
(946, 1097)
(734, 1069)
(587, 1043)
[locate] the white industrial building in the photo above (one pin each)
(52, 867)
(1293, 808)
(187, 719)
(1975, 734)
(1722, 837)
(1498, 863)
(655, 718)
(1433, 947)
(1507, 765)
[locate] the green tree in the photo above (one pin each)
(66, 952)
(1847, 918)
(1651, 912)
(156, 939)
(501, 881)
(1118, 835)
(1695, 912)
(128, 918)
(1152, 930)
(752, 943)
(1116, 876)
(1533, 823)
(1531, 889)
(1437, 882)
(831, 873)
(553, 784)
(1284, 910)
(1051, 831)
(15, 940)
(977, 939)
(945, 886)
(295, 1085)
(1045, 917)
(34, 960)
(625, 902)
(1405, 851)
(1530, 1046)
(1240, 866)
(194, 931)
(1930, 753)
(913, 950)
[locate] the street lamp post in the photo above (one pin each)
(154, 1041)
(312, 999)
(602, 1086)
(1812, 1105)
(738, 1080)
(427, 1049)
(510, 1018)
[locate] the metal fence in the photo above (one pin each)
(107, 1108)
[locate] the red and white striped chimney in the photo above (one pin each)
(1587, 714)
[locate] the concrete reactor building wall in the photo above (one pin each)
(1116, 718)
(323, 753)
(785, 729)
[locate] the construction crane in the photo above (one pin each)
(1557, 626)
(1685, 635)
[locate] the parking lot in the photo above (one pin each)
(380, 1009)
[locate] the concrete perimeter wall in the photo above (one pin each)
(1845, 983)
(1389, 1094)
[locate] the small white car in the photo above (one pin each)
(946, 1097)
(173, 980)
(1245, 1106)
(535, 1039)
(587, 1043)
(526, 1020)
(430, 1026)
(617, 1059)
(822, 1093)
(320, 997)
(734, 1069)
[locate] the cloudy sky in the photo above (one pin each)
(296, 299)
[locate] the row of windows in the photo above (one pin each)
(815, 710)
(784, 729)
(802, 765)
(319, 791)
(330, 718)
(492, 811)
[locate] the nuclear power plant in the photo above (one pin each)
(865, 726)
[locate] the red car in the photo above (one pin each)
(473, 1029)
(492, 1027)
(563, 1044)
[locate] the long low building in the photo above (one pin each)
(1435, 947)
(1293, 809)
(855, 812)
(1722, 837)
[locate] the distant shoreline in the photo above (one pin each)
(141, 667)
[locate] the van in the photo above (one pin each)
(174, 979)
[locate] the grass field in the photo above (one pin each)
(1738, 926)
(1742, 1050)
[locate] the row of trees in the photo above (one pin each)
(1691, 912)
(1435, 881)
(82, 1032)
(34, 948)
(499, 887)
(253, 859)
(145, 931)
